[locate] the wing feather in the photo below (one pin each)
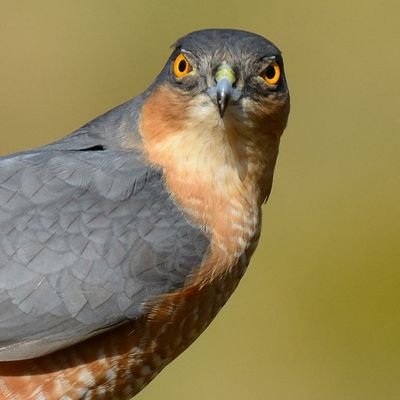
(86, 238)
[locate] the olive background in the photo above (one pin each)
(317, 315)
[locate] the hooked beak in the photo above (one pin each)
(225, 78)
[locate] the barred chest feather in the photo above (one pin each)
(119, 363)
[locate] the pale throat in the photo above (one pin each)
(214, 167)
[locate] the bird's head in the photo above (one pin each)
(229, 72)
(221, 97)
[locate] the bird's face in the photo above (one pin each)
(217, 110)
(232, 75)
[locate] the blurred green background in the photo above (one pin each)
(318, 314)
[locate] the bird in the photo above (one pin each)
(121, 242)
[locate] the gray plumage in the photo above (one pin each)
(86, 237)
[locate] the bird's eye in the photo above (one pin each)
(271, 74)
(181, 66)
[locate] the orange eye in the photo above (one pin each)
(181, 66)
(271, 74)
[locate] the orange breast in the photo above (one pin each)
(119, 363)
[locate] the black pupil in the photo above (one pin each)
(182, 66)
(270, 72)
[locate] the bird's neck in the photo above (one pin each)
(218, 170)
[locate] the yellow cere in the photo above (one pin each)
(225, 71)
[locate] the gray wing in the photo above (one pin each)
(86, 238)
